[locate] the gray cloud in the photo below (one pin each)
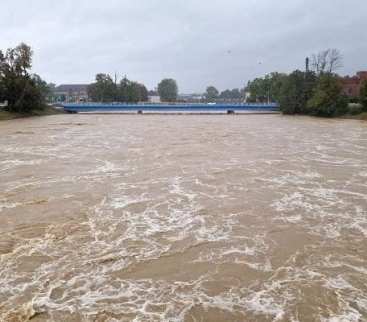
(224, 43)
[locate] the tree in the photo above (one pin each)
(234, 94)
(363, 95)
(168, 90)
(143, 93)
(42, 85)
(327, 99)
(211, 93)
(137, 92)
(22, 91)
(327, 61)
(133, 92)
(103, 89)
(295, 92)
(267, 88)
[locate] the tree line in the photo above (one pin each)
(105, 89)
(213, 95)
(23, 91)
(315, 91)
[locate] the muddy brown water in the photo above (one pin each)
(183, 218)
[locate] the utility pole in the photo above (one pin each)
(307, 64)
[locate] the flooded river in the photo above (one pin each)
(183, 218)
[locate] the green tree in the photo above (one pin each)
(168, 90)
(226, 94)
(143, 93)
(103, 89)
(137, 92)
(327, 99)
(266, 88)
(211, 94)
(22, 91)
(132, 92)
(363, 95)
(234, 94)
(295, 91)
(42, 86)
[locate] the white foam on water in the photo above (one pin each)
(338, 283)
(348, 316)
(264, 267)
(294, 201)
(10, 164)
(123, 202)
(4, 204)
(265, 305)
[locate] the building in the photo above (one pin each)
(71, 93)
(191, 98)
(154, 99)
(352, 85)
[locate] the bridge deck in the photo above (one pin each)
(171, 108)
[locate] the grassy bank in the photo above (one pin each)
(48, 110)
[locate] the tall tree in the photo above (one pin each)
(327, 61)
(267, 88)
(42, 85)
(295, 92)
(211, 94)
(168, 90)
(235, 94)
(22, 91)
(132, 92)
(103, 89)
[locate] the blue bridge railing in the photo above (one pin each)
(122, 107)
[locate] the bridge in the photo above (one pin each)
(171, 108)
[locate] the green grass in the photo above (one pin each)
(48, 110)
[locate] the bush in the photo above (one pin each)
(355, 108)
(327, 99)
(353, 100)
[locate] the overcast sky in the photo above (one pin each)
(197, 42)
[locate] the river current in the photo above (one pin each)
(183, 218)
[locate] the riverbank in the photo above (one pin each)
(5, 115)
(361, 116)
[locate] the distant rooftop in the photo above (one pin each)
(71, 88)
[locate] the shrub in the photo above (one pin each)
(355, 108)
(327, 99)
